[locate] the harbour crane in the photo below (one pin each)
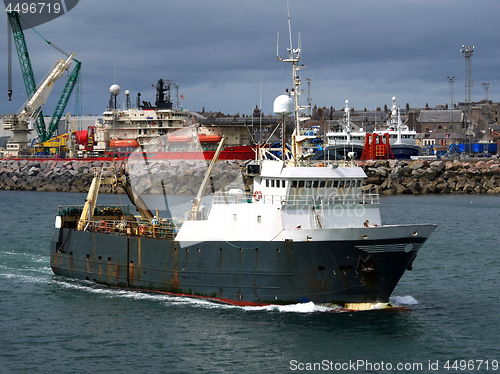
(18, 123)
(43, 132)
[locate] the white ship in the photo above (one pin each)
(402, 139)
(163, 130)
(305, 232)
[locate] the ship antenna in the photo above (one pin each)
(278, 46)
(290, 52)
(294, 58)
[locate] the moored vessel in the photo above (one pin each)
(122, 131)
(401, 138)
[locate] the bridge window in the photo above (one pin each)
(278, 183)
(301, 184)
(272, 182)
(322, 184)
(347, 184)
(315, 184)
(294, 184)
(329, 184)
(308, 184)
(341, 184)
(267, 182)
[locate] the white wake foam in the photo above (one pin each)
(170, 300)
(403, 300)
(309, 307)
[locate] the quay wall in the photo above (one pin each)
(184, 176)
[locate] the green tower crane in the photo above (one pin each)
(26, 68)
(44, 133)
(63, 100)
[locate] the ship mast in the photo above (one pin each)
(396, 119)
(348, 126)
(294, 59)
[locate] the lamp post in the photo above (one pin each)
(450, 82)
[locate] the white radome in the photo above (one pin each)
(283, 105)
(115, 89)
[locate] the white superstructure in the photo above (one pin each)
(398, 132)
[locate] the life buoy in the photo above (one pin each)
(102, 225)
(142, 229)
(257, 195)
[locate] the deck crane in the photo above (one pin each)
(18, 123)
(44, 133)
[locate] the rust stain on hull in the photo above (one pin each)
(175, 280)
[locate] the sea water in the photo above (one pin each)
(449, 323)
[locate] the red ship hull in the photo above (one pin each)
(229, 153)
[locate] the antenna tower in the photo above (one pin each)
(176, 86)
(451, 80)
(486, 87)
(467, 52)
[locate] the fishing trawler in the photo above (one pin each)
(402, 139)
(305, 232)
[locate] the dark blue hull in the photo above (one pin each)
(243, 273)
(406, 151)
(338, 153)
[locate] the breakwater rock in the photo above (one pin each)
(428, 177)
(173, 177)
(185, 176)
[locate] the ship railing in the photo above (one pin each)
(362, 198)
(164, 229)
(334, 199)
(99, 211)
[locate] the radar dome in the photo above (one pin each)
(127, 92)
(283, 105)
(115, 89)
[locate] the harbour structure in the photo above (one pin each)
(30, 117)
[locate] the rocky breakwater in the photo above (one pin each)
(52, 176)
(432, 177)
(173, 177)
(186, 176)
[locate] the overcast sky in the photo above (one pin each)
(219, 51)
